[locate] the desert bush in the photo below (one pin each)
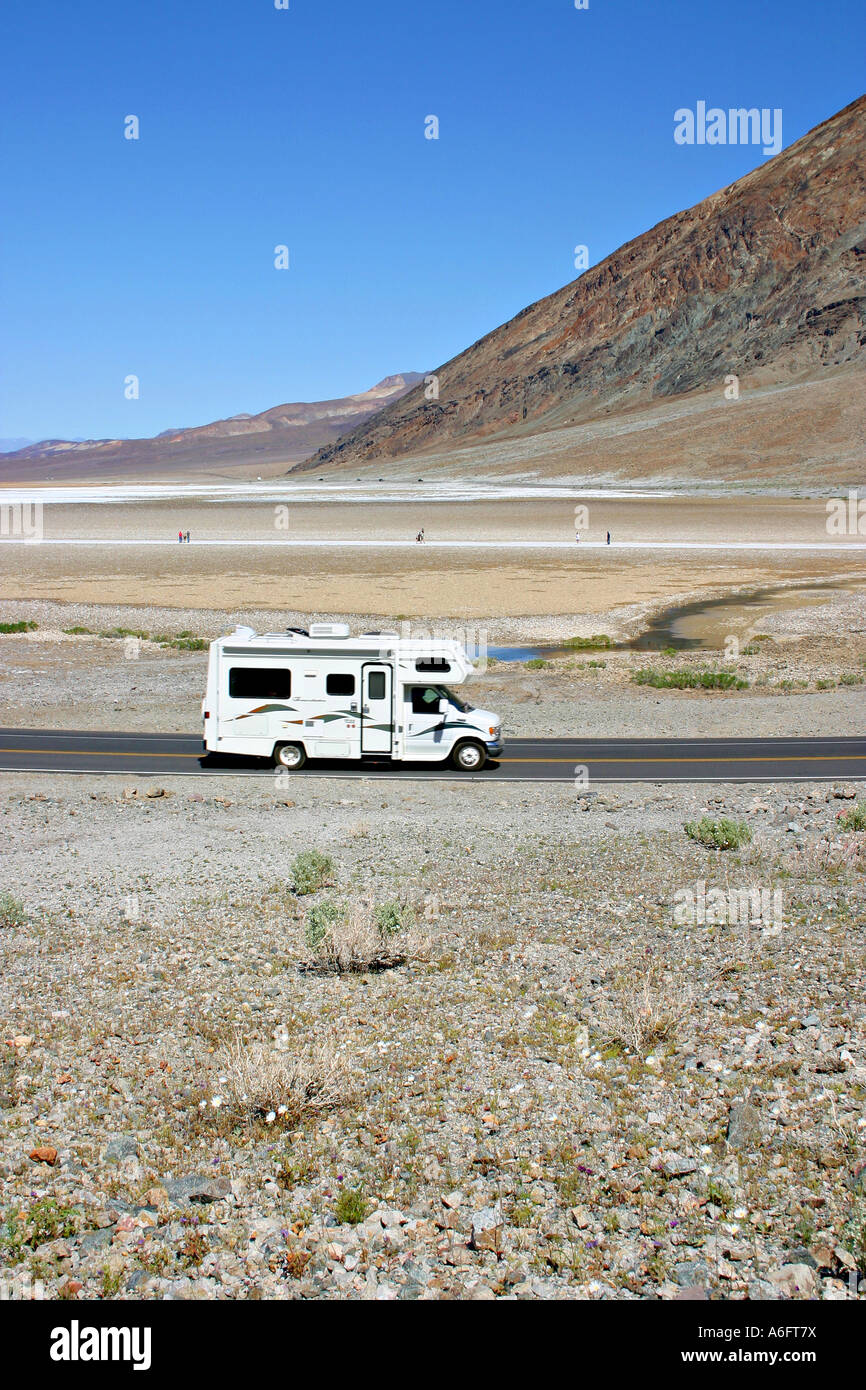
(22, 1229)
(183, 642)
(351, 1207)
(718, 834)
(689, 680)
(311, 870)
(394, 916)
(320, 920)
(22, 626)
(854, 818)
(836, 854)
(353, 936)
(644, 1010)
(257, 1082)
(599, 642)
(12, 912)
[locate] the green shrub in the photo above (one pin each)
(855, 817)
(311, 870)
(183, 642)
(851, 678)
(118, 632)
(354, 936)
(18, 627)
(600, 642)
(719, 834)
(394, 916)
(22, 1231)
(689, 680)
(320, 920)
(536, 663)
(79, 632)
(12, 912)
(351, 1208)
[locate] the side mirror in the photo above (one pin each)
(443, 706)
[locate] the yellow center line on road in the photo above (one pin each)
(102, 753)
(541, 761)
(770, 758)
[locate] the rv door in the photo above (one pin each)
(377, 715)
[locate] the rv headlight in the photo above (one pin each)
(495, 730)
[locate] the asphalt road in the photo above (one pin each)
(524, 759)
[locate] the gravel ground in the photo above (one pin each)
(556, 1083)
(568, 1089)
(800, 681)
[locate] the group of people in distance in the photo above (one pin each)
(183, 536)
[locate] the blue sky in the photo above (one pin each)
(305, 127)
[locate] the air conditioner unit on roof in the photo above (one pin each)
(329, 629)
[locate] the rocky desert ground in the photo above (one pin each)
(307, 1038)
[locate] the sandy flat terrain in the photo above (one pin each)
(481, 559)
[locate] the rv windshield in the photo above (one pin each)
(455, 699)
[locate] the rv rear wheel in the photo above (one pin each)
(291, 755)
(469, 757)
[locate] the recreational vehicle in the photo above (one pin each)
(321, 693)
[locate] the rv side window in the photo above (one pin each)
(340, 683)
(259, 683)
(433, 665)
(425, 699)
(376, 685)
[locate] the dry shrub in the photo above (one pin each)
(829, 854)
(645, 1009)
(356, 936)
(257, 1082)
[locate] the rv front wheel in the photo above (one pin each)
(290, 755)
(469, 757)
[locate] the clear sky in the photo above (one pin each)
(306, 127)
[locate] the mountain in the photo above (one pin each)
(275, 437)
(764, 280)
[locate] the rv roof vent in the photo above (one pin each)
(329, 629)
(243, 631)
(300, 631)
(395, 635)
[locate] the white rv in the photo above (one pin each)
(295, 695)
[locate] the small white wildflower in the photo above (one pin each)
(270, 1117)
(216, 1102)
(282, 1109)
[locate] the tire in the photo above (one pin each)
(469, 756)
(290, 755)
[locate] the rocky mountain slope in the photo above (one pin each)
(283, 434)
(765, 279)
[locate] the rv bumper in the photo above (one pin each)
(495, 746)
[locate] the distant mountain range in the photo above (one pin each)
(278, 436)
(726, 344)
(764, 281)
